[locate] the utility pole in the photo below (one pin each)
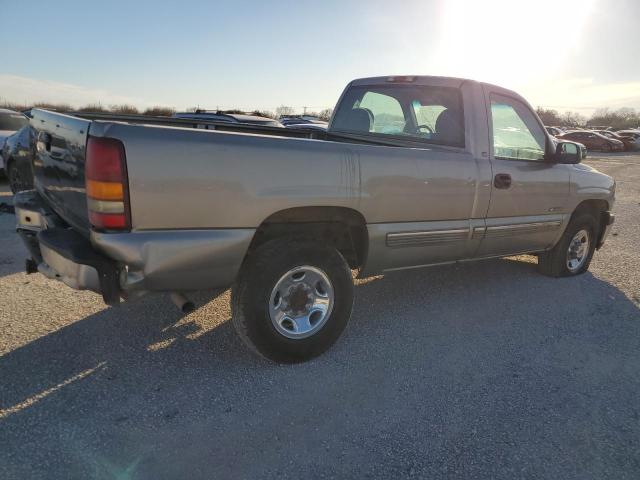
(305, 110)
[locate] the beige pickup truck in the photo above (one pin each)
(413, 171)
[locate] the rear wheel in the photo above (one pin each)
(292, 300)
(572, 254)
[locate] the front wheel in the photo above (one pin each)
(292, 300)
(573, 253)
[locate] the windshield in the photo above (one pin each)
(412, 112)
(12, 121)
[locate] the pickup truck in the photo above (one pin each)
(413, 171)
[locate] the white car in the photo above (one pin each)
(635, 134)
(10, 122)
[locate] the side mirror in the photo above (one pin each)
(567, 152)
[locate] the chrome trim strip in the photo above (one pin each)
(521, 228)
(441, 237)
(479, 232)
(431, 237)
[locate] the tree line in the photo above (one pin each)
(618, 119)
(156, 111)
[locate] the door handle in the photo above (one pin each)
(502, 180)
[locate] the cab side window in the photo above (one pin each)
(517, 135)
(403, 112)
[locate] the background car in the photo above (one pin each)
(630, 143)
(10, 122)
(635, 134)
(218, 116)
(309, 126)
(555, 131)
(593, 140)
(301, 119)
(17, 154)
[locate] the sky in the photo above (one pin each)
(565, 54)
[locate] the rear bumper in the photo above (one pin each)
(61, 253)
(69, 257)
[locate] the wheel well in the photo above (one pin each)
(344, 228)
(594, 207)
(597, 209)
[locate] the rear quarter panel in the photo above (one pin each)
(191, 179)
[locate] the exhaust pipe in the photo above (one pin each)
(183, 303)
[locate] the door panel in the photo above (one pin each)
(421, 218)
(510, 235)
(529, 195)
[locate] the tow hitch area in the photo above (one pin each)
(60, 253)
(69, 257)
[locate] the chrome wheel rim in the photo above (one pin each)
(578, 250)
(301, 302)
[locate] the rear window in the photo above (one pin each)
(12, 121)
(407, 112)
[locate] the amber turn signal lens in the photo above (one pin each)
(105, 190)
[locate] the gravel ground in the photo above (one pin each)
(484, 370)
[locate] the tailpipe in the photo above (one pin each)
(183, 303)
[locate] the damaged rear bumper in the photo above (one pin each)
(60, 253)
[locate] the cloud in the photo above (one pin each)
(14, 88)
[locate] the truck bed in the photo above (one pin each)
(61, 141)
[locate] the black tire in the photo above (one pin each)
(554, 262)
(251, 294)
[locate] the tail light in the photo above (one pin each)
(107, 184)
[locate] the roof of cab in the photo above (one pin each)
(433, 80)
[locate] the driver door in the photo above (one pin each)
(528, 206)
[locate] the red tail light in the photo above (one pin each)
(107, 184)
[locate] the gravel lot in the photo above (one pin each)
(484, 370)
